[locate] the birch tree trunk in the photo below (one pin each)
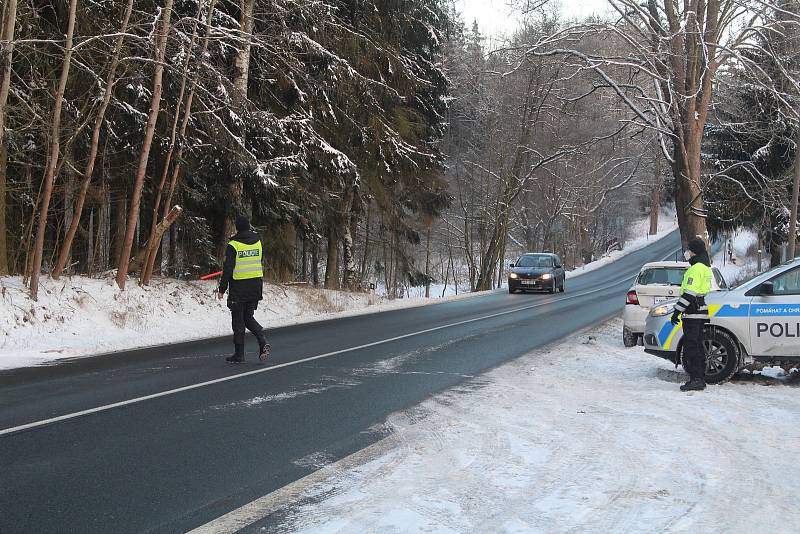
(240, 82)
(348, 254)
(155, 104)
(55, 148)
(80, 200)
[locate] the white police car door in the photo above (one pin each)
(775, 319)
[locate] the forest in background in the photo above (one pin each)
(383, 141)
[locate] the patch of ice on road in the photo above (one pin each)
(327, 384)
(575, 438)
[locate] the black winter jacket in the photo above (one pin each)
(240, 290)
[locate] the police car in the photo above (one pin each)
(759, 321)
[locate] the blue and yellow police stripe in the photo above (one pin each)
(667, 334)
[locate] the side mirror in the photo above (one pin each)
(558, 265)
(767, 288)
(512, 265)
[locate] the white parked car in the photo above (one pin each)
(657, 282)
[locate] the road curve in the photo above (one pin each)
(178, 459)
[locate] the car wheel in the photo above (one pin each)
(722, 356)
(629, 339)
(511, 290)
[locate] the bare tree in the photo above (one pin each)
(53, 158)
(94, 146)
(155, 106)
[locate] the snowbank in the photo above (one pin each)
(582, 437)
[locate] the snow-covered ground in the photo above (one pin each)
(744, 265)
(585, 436)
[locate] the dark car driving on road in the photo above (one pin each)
(541, 272)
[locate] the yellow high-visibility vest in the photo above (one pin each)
(697, 280)
(248, 260)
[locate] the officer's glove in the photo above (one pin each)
(676, 318)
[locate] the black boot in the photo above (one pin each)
(694, 384)
(238, 355)
(263, 346)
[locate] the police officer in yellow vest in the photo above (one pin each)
(692, 309)
(242, 278)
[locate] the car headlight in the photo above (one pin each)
(547, 276)
(513, 275)
(661, 311)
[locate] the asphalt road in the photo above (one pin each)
(177, 461)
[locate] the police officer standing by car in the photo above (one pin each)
(242, 278)
(693, 310)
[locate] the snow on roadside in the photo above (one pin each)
(585, 436)
(746, 265)
(639, 238)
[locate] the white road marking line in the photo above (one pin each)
(120, 404)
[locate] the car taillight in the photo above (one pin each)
(632, 298)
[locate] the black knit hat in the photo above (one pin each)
(242, 223)
(698, 246)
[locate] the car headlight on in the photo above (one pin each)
(661, 311)
(547, 276)
(513, 275)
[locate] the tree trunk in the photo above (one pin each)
(52, 163)
(104, 230)
(332, 265)
(4, 267)
(348, 253)
(655, 202)
(150, 259)
(315, 264)
(66, 246)
(6, 34)
(795, 194)
(240, 82)
(428, 263)
(365, 257)
(120, 222)
(155, 237)
(155, 105)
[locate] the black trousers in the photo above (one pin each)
(694, 352)
(241, 318)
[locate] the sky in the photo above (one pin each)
(495, 16)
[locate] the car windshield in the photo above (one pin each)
(535, 261)
(668, 276)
